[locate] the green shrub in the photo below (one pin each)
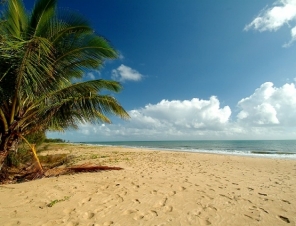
(54, 140)
(36, 138)
(23, 155)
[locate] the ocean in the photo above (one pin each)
(256, 148)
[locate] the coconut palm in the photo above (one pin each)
(41, 53)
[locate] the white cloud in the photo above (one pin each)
(269, 113)
(282, 13)
(124, 73)
(190, 114)
(269, 106)
(120, 56)
(187, 119)
(293, 34)
(90, 76)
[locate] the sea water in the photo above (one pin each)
(262, 148)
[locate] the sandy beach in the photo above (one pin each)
(156, 188)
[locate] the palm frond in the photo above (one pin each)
(35, 66)
(69, 105)
(16, 18)
(90, 48)
(92, 86)
(42, 13)
(92, 108)
(66, 22)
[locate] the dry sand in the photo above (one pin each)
(157, 188)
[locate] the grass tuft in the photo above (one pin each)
(53, 202)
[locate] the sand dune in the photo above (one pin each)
(157, 188)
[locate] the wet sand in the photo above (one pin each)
(156, 188)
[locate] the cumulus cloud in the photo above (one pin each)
(282, 13)
(268, 113)
(125, 73)
(178, 119)
(269, 106)
(191, 114)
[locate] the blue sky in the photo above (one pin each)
(192, 69)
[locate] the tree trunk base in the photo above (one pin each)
(5, 175)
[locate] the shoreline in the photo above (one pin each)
(156, 188)
(289, 156)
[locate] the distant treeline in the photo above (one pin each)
(55, 140)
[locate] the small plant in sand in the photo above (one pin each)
(104, 156)
(53, 202)
(94, 156)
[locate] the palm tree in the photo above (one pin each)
(40, 54)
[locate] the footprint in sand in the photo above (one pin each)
(70, 211)
(286, 201)
(168, 209)
(154, 192)
(138, 216)
(84, 201)
(172, 193)
(104, 187)
(136, 186)
(88, 215)
(161, 203)
(150, 215)
(253, 213)
(127, 212)
(194, 215)
(136, 201)
(123, 193)
(204, 222)
(119, 198)
(108, 223)
(225, 196)
(182, 188)
(286, 219)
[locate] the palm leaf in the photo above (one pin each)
(42, 13)
(16, 18)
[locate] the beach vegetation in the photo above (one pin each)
(104, 156)
(54, 160)
(23, 154)
(44, 55)
(53, 202)
(54, 140)
(94, 156)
